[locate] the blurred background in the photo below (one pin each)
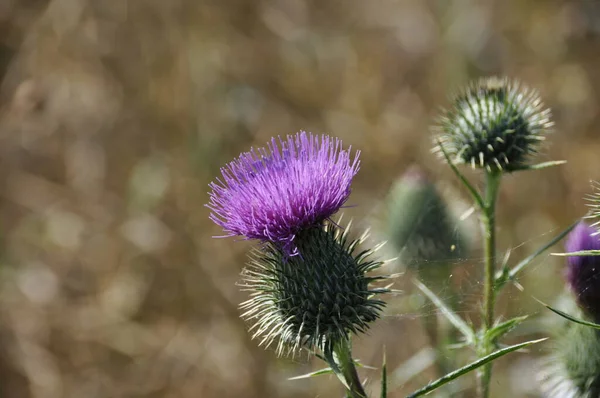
(116, 114)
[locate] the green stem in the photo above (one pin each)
(343, 353)
(488, 219)
(442, 362)
(439, 337)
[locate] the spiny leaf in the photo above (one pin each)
(358, 363)
(324, 371)
(501, 329)
(328, 354)
(472, 366)
(579, 253)
(384, 376)
(504, 268)
(570, 317)
(476, 197)
(539, 166)
(456, 320)
(503, 277)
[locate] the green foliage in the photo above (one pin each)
(384, 376)
(470, 367)
(502, 328)
(506, 274)
(571, 317)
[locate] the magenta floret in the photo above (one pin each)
(272, 193)
(583, 272)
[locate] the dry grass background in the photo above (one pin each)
(116, 114)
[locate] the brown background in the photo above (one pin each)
(116, 114)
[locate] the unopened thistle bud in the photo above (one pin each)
(583, 272)
(494, 124)
(314, 299)
(420, 227)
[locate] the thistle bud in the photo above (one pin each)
(314, 299)
(573, 370)
(583, 272)
(420, 227)
(494, 124)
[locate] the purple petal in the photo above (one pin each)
(583, 272)
(272, 193)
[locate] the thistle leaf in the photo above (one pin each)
(335, 368)
(579, 253)
(501, 329)
(384, 376)
(456, 320)
(472, 366)
(362, 365)
(324, 371)
(570, 317)
(476, 197)
(502, 277)
(539, 166)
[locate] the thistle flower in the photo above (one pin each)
(315, 299)
(274, 193)
(573, 370)
(583, 272)
(495, 124)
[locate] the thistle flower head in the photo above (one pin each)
(494, 124)
(274, 193)
(315, 299)
(583, 272)
(573, 369)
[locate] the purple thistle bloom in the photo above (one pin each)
(583, 272)
(272, 193)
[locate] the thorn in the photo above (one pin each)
(498, 163)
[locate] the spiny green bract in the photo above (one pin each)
(574, 369)
(594, 205)
(314, 299)
(494, 124)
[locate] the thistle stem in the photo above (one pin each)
(439, 337)
(442, 362)
(488, 224)
(343, 353)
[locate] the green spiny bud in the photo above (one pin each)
(419, 225)
(494, 124)
(574, 368)
(314, 299)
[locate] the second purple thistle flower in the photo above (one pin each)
(583, 272)
(272, 193)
